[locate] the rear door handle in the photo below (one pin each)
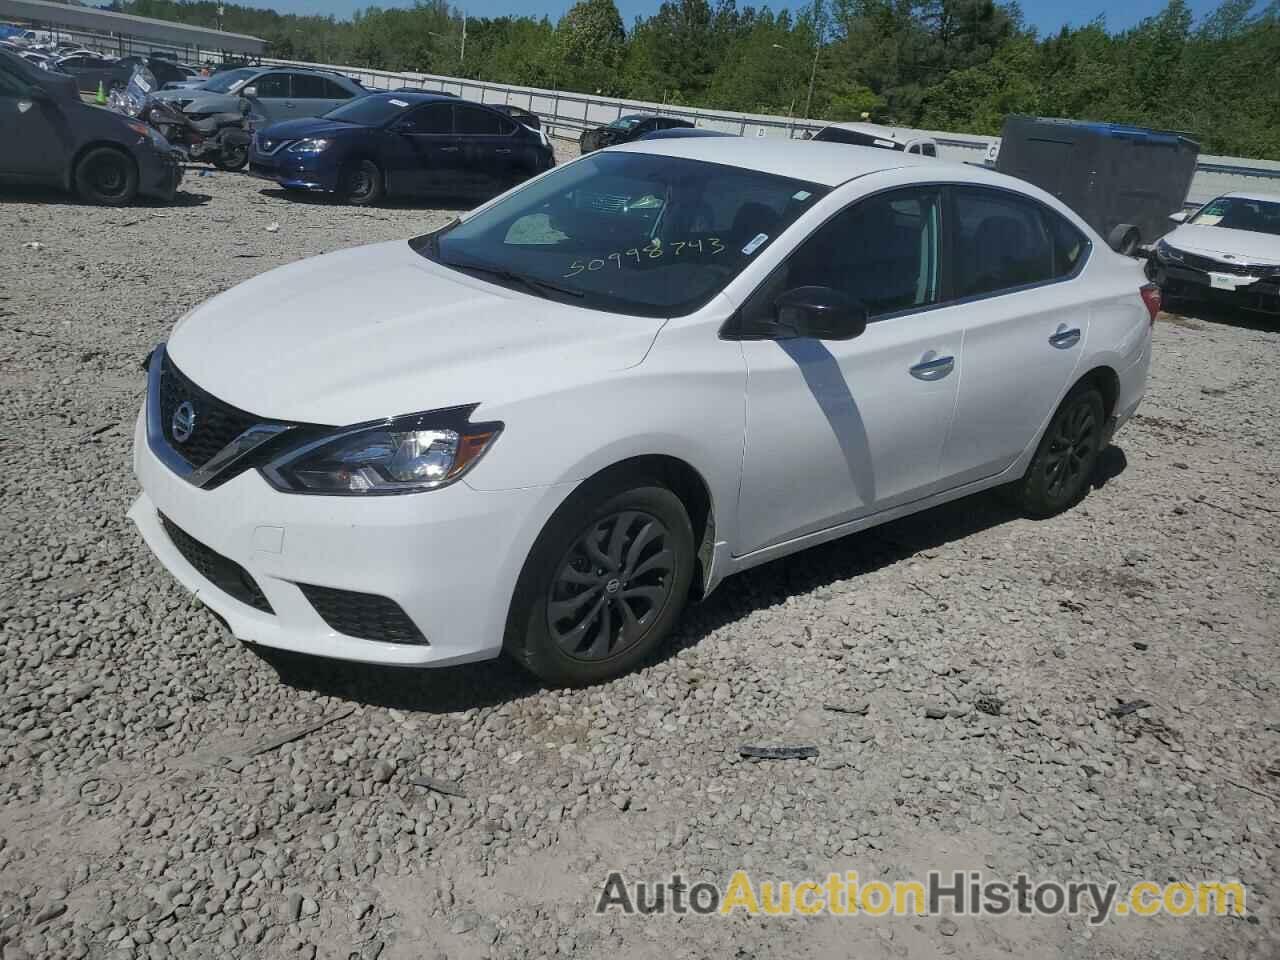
(449, 149)
(934, 369)
(503, 150)
(1062, 339)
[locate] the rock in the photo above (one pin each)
(383, 771)
(948, 927)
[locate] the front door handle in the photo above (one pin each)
(449, 149)
(503, 150)
(1062, 339)
(934, 369)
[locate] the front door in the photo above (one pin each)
(29, 128)
(427, 157)
(273, 97)
(840, 429)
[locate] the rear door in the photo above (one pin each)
(1025, 324)
(29, 131)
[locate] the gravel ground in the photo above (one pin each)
(147, 811)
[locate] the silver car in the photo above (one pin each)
(274, 93)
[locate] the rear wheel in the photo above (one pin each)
(362, 183)
(604, 584)
(1062, 467)
(107, 176)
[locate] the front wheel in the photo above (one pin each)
(1062, 467)
(362, 183)
(107, 176)
(604, 584)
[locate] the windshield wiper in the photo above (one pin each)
(511, 277)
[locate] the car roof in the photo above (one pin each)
(814, 161)
(424, 97)
(1253, 195)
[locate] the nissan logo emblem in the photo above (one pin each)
(183, 423)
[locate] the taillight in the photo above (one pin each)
(1151, 299)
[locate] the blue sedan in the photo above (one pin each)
(401, 145)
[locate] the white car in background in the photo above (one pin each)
(541, 428)
(1228, 251)
(877, 135)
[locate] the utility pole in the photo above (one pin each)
(462, 56)
(819, 26)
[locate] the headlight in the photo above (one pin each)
(1166, 252)
(421, 451)
(310, 146)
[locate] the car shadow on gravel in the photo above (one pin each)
(453, 204)
(1192, 314)
(490, 683)
(23, 194)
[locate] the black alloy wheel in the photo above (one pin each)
(615, 580)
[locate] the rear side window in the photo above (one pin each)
(1002, 243)
(477, 122)
(1070, 246)
(929, 150)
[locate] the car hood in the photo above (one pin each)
(1246, 246)
(379, 331)
(309, 127)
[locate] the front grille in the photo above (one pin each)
(223, 572)
(364, 615)
(1209, 264)
(216, 423)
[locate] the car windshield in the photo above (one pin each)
(223, 82)
(1240, 213)
(633, 233)
(369, 111)
(626, 123)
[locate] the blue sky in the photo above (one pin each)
(1046, 15)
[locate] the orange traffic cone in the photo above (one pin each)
(101, 98)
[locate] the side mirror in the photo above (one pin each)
(1178, 216)
(249, 92)
(820, 313)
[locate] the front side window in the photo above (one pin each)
(882, 252)
(629, 233)
(1240, 213)
(471, 121)
(435, 119)
(1002, 242)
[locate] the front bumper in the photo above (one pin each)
(159, 173)
(1259, 294)
(448, 558)
(294, 171)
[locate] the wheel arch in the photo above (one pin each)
(1107, 381)
(687, 483)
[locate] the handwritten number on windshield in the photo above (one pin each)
(654, 251)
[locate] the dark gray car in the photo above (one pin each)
(52, 137)
(274, 93)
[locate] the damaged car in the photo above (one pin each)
(1227, 252)
(52, 137)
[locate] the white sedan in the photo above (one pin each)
(1227, 251)
(544, 427)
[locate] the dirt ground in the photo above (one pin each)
(978, 658)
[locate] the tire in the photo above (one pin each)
(1124, 239)
(1059, 474)
(107, 176)
(232, 158)
(362, 183)
(568, 619)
